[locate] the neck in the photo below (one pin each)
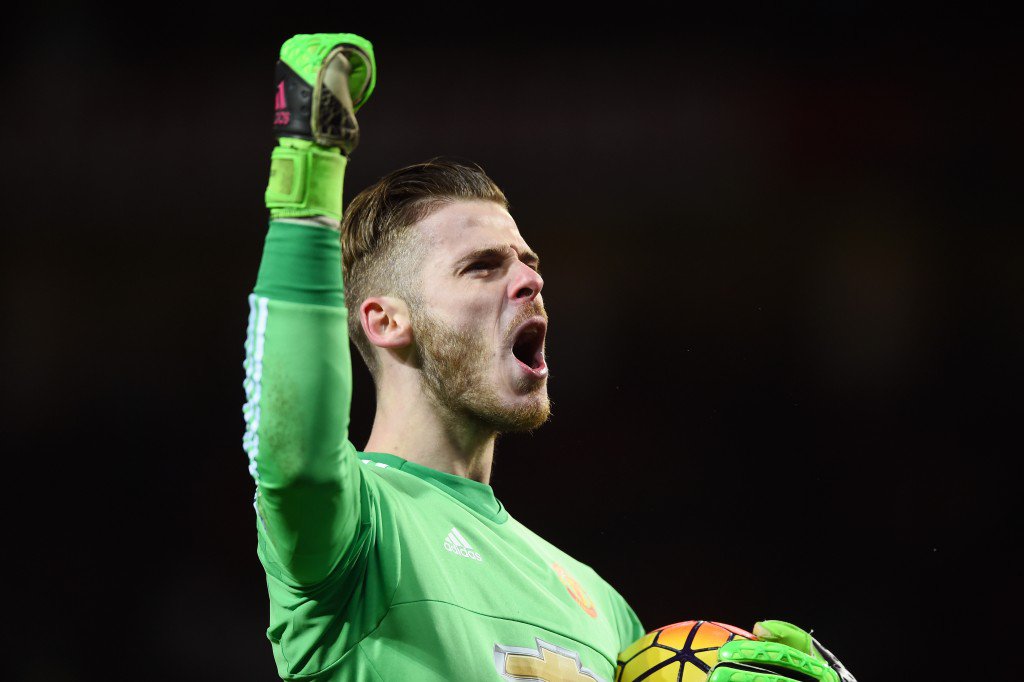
(421, 431)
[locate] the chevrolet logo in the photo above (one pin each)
(546, 663)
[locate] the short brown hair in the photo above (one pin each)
(379, 254)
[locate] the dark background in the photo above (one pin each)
(783, 269)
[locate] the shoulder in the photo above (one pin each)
(386, 478)
(588, 587)
(563, 559)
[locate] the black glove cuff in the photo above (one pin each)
(293, 104)
(834, 662)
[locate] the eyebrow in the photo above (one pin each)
(498, 252)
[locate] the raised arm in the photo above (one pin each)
(298, 368)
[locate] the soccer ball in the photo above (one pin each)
(682, 652)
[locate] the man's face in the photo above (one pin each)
(479, 321)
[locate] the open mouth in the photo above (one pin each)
(528, 345)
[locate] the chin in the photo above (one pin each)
(535, 413)
(525, 413)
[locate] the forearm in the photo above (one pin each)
(298, 385)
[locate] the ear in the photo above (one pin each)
(386, 322)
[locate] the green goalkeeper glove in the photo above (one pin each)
(322, 80)
(783, 653)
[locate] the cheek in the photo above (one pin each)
(478, 313)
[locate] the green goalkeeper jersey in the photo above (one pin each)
(379, 568)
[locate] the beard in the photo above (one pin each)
(456, 371)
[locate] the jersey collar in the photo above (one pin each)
(477, 496)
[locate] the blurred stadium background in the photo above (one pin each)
(783, 268)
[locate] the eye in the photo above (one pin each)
(480, 266)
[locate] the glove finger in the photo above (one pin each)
(725, 674)
(362, 77)
(334, 121)
(336, 75)
(305, 54)
(775, 656)
(784, 633)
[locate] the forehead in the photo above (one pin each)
(466, 225)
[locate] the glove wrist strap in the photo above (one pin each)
(305, 180)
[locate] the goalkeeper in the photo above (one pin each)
(398, 562)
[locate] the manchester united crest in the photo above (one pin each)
(576, 590)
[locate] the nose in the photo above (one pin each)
(525, 284)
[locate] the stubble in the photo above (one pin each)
(455, 366)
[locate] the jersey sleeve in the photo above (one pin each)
(298, 387)
(627, 623)
(634, 629)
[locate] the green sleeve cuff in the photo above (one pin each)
(301, 264)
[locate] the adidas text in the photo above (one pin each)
(456, 544)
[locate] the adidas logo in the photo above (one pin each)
(456, 544)
(281, 113)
